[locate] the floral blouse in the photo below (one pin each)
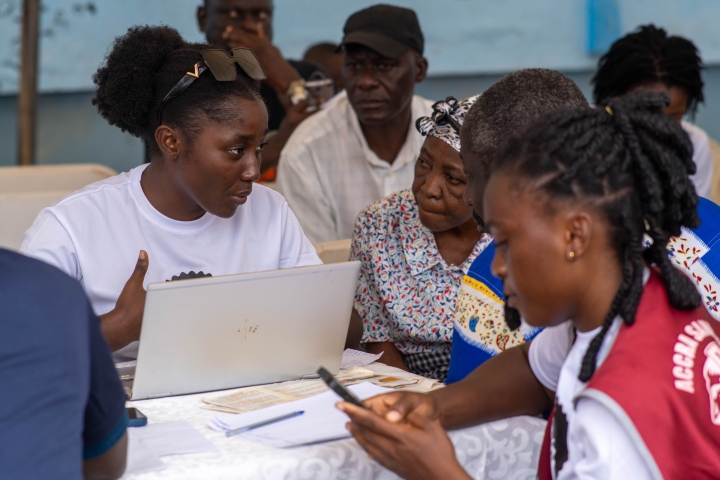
(407, 292)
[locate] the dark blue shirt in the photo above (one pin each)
(61, 400)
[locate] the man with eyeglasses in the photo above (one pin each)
(363, 145)
(248, 23)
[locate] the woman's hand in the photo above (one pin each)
(121, 326)
(418, 448)
(398, 407)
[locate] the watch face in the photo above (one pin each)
(297, 92)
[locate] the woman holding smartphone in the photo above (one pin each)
(629, 357)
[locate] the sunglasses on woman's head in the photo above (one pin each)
(222, 66)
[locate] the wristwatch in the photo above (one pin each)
(297, 92)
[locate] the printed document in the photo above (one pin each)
(255, 398)
(321, 422)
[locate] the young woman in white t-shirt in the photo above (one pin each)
(629, 356)
(190, 211)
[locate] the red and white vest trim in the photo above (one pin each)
(661, 380)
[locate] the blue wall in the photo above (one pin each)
(69, 130)
(465, 37)
(469, 44)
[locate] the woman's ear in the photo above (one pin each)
(169, 141)
(578, 234)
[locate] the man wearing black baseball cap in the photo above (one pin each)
(390, 31)
(363, 146)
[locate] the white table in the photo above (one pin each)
(498, 450)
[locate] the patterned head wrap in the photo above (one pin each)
(445, 122)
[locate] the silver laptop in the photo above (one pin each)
(232, 331)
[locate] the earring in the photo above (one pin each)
(571, 255)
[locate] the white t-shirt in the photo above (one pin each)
(96, 234)
(702, 179)
(598, 446)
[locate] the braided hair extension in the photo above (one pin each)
(143, 65)
(631, 162)
(512, 317)
(649, 55)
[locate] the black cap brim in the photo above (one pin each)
(384, 45)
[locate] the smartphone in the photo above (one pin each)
(338, 388)
(135, 417)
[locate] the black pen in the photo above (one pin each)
(253, 426)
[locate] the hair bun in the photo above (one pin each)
(125, 80)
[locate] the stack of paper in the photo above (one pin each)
(126, 368)
(320, 422)
(255, 398)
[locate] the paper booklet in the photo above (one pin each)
(255, 398)
(352, 371)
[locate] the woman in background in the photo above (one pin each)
(651, 59)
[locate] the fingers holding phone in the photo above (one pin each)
(418, 448)
(415, 448)
(397, 407)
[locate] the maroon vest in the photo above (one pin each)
(661, 380)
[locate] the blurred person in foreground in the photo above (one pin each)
(62, 407)
(651, 59)
(248, 23)
(415, 246)
(363, 146)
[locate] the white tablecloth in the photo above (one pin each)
(506, 449)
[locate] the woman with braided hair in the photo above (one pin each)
(193, 210)
(628, 356)
(650, 59)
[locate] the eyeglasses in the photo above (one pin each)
(222, 66)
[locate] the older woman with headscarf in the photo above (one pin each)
(415, 246)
